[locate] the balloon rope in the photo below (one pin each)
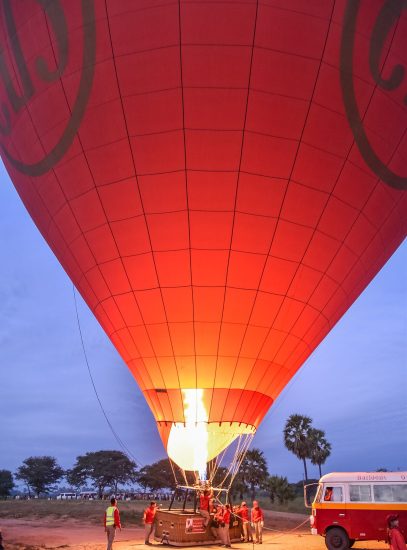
(239, 459)
(173, 472)
(242, 445)
(273, 537)
(217, 462)
(116, 436)
(288, 530)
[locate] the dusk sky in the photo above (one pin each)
(354, 385)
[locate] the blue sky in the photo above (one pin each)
(354, 386)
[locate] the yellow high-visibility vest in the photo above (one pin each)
(110, 516)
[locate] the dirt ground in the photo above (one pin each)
(70, 534)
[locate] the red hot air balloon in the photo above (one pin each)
(220, 180)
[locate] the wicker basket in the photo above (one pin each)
(185, 528)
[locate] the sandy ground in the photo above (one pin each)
(21, 534)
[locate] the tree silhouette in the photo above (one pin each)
(253, 472)
(279, 488)
(104, 469)
(40, 473)
(158, 475)
(297, 437)
(6, 483)
(320, 448)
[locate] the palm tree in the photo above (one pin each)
(278, 487)
(320, 448)
(253, 471)
(297, 437)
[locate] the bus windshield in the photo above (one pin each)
(319, 493)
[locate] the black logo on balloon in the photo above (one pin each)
(19, 98)
(387, 18)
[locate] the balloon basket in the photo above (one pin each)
(185, 528)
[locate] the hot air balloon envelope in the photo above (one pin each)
(220, 180)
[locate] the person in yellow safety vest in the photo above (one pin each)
(112, 522)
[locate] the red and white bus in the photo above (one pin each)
(351, 506)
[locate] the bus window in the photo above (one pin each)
(390, 493)
(333, 494)
(360, 493)
(328, 494)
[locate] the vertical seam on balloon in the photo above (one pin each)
(124, 269)
(290, 179)
(234, 210)
(281, 208)
(369, 242)
(147, 227)
(318, 338)
(74, 216)
(90, 249)
(275, 229)
(187, 200)
(84, 236)
(360, 214)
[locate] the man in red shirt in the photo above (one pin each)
(204, 500)
(396, 539)
(223, 517)
(257, 518)
(243, 513)
(148, 519)
(112, 522)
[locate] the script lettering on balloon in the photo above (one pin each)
(384, 24)
(15, 99)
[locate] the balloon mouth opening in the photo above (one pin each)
(195, 442)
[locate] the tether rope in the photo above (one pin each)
(281, 533)
(123, 446)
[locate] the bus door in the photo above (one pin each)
(334, 506)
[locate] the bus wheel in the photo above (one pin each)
(337, 539)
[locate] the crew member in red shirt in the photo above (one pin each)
(204, 501)
(396, 539)
(224, 521)
(219, 518)
(257, 518)
(112, 522)
(148, 519)
(243, 513)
